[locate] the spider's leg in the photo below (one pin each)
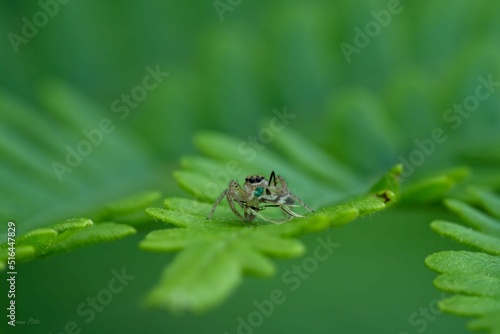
(289, 212)
(236, 194)
(242, 204)
(231, 201)
(272, 179)
(285, 199)
(280, 179)
(217, 203)
(284, 189)
(257, 214)
(295, 197)
(250, 213)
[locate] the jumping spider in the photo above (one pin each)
(257, 194)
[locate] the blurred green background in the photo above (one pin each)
(229, 75)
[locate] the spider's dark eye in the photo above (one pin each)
(257, 179)
(252, 179)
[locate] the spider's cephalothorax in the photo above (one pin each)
(257, 194)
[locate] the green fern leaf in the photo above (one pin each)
(77, 232)
(123, 207)
(74, 224)
(470, 305)
(464, 262)
(488, 322)
(40, 239)
(489, 201)
(474, 278)
(64, 237)
(473, 217)
(467, 236)
(102, 232)
(215, 254)
(433, 189)
(475, 284)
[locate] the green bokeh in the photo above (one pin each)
(230, 75)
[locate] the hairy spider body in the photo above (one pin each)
(279, 194)
(257, 194)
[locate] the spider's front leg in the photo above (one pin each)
(251, 212)
(236, 194)
(217, 202)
